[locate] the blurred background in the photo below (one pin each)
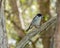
(19, 14)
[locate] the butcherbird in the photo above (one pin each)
(36, 21)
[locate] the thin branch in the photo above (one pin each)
(32, 33)
(0, 3)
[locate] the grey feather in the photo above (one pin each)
(36, 21)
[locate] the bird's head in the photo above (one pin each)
(39, 15)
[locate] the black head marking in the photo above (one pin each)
(39, 15)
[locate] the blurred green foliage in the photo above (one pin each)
(28, 10)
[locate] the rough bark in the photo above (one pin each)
(34, 32)
(57, 32)
(3, 34)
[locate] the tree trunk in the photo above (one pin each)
(44, 7)
(57, 32)
(3, 35)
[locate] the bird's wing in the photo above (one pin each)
(32, 23)
(34, 19)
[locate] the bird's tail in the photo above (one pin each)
(28, 29)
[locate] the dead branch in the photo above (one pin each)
(32, 33)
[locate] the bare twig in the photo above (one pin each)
(32, 33)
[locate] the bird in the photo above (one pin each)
(36, 21)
